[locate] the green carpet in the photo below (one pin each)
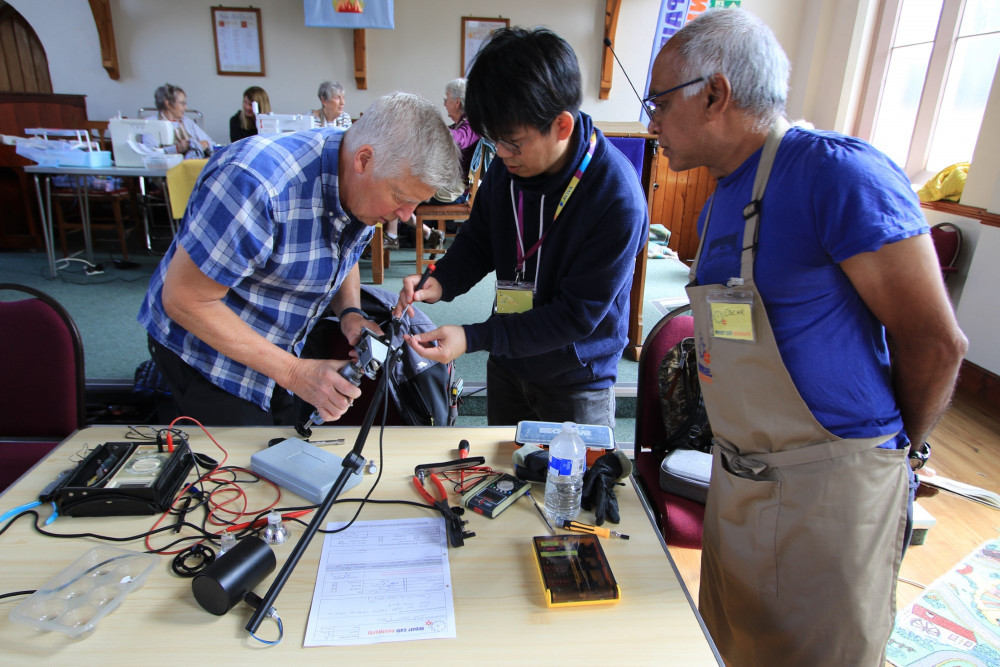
(105, 306)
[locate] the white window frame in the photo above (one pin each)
(934, 84)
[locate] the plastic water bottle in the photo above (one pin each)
(564, 480)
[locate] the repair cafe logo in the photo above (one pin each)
(349, 6)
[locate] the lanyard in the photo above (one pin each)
(523, 256)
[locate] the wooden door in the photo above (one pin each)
(676, 203)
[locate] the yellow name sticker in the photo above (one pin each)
(732, 320)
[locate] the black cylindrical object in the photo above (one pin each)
(227, 580)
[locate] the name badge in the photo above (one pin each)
(514, 297)
(732, 314)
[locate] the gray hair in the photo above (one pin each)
(456, 90)
(330, 89)
(408, 137)
(166, 94)
(737, 44)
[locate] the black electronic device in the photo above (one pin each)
(495, 494)
(124, 478)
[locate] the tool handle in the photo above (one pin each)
(578, 527)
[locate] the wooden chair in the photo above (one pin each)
(442, 213)
(96, 201)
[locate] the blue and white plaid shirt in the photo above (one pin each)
(264, 220)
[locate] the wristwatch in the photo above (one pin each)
(360, 312)
(919, 455)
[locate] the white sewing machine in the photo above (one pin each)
(280, 123)
(126, 139)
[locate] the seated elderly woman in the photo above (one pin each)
(466, 139)
(331, 112)
(189, 139)
(243, 124)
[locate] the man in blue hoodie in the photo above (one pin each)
(560, 221)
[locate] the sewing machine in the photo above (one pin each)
(280, 123)
(126, 139)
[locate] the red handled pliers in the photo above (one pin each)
(452, 515)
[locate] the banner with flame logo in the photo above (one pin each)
(349, 13)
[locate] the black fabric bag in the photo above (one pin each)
(421, 392)
(684, 416)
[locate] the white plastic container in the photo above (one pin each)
(76, 599)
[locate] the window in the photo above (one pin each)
(931, 71)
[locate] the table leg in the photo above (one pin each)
(145, 213)
(46, 213)
(378, 268)
(636, 300)
(83, 198)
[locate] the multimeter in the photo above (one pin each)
(495, 494)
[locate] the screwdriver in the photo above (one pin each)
(541, 512)
(578, 527)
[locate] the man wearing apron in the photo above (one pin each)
(813, 253)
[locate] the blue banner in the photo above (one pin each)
(349, 13)
(674, 14)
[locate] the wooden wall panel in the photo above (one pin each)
(679, 200)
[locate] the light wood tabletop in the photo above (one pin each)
(499, 607)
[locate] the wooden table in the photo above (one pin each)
(499, 609)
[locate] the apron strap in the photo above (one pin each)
(757, 463)
(751, 212)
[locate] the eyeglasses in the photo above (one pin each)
(651, 106)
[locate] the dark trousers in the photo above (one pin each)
(194, 396)
(509, 399)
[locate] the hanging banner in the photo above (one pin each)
(349, 13)
(674, 15)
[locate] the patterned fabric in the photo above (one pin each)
(265, 221)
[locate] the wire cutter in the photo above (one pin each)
(452, 515)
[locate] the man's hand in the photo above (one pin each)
(319, 383)
(353, 324)
(443, 344)
(429, 293)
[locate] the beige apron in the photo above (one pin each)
(803, 530)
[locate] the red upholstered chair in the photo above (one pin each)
(947, 239)
(680, 519)
(41, 379)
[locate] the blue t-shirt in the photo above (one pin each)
(829, 197)
(265, 220)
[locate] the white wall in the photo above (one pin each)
(172, 41)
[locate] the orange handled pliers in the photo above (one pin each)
(452, 515)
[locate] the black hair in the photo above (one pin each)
(522, 78)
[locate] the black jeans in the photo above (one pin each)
(194, 396)
(509, 399)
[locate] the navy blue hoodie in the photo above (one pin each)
(576, 331)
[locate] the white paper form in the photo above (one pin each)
(382, 581)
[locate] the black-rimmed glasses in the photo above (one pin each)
(650, 105)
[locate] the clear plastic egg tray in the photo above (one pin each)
(76, 599)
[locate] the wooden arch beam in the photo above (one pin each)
(101, 9)
(611, 9)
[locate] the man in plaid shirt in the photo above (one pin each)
(270, 240)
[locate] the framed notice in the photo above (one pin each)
(475, 32)
(239, 43)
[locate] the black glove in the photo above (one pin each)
(599, 488)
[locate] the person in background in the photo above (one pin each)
(827, 351)
(243, 124)
(269, 244)
(331, 112)
(466, 138)
(189, 139)
(560, 222)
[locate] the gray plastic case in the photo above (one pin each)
(302, 468)
(685, 473)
